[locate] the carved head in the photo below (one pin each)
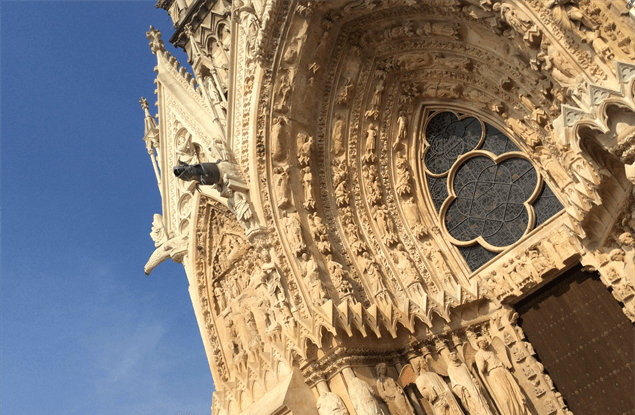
(482, 343)
(454, 357)
(204, 173)
(381, 369)
(627, 239)
(617, 255)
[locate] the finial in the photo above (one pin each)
(156, 44)
(144, 103)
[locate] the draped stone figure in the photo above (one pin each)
(279, 139)
(392, 393)
(466, 388)
(500, 382)
(434, 389)
(402, 130)
(330, 403)
(294, 232)
(338, 135)
(362, 398)
(283, 191)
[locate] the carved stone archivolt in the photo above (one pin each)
(404, 171)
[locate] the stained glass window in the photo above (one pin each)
(489, 201)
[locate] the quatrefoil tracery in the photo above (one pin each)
(489, 184)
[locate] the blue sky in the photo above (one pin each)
(84, 331)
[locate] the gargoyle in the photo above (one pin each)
(174, 247)
(215, 174)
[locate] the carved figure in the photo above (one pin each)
(466, 388)
(330, 403)
(314, 282)
(214, 174)
(279, 139)
(239, 205)
(283, 191)
(338, 135)
(402, 129)
(358, 246)
(500, 382)
(305, 146)
(538, 260)
(340, 174)
(409, 275)
(436, 391)
(411, 213)
(371, 137)
(436, 257)
(235, 345)
(372, 184)
(185, 149)
(392, 393)
(307, 181)
(219, 294)
(440, 29)
(561, 70)
(362, 398)
(403, 174)
(520, 22)
(255, 342)
(319, 232)
(566, 15)
(346, 93)
(385, 224)
(294, 233)
(340, 278)
(377, 287)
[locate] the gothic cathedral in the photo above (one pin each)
(400, 207)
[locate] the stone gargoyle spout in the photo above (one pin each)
(217, 174)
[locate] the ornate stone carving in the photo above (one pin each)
(392, 393)
(363, 398)
(466, 387)
(436, 391)
(500, 383)
(330, 403)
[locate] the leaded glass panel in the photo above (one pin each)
(450, 138)
(490, 197)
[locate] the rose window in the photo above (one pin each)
(486, 193)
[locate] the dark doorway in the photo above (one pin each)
(585, 342)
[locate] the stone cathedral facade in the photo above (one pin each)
(417, 206)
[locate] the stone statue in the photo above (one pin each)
(219, 294)
(330, 403)
(283, 191)
(402, 129)
(338, 135)
(371, 138)
(305, 146)
(377, 286)
(239, 205)
(279, 139)
(434, 389)
(307, 180)
(403, 174)
(500, 382)
(255, 342)
(466, 388)
(362, 398)
(386, 225)
(313, 280)
(392, 393)
(294, 232)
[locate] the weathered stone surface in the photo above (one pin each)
(398, 174)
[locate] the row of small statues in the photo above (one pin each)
(503, 389)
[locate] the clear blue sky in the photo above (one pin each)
(84, 331)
